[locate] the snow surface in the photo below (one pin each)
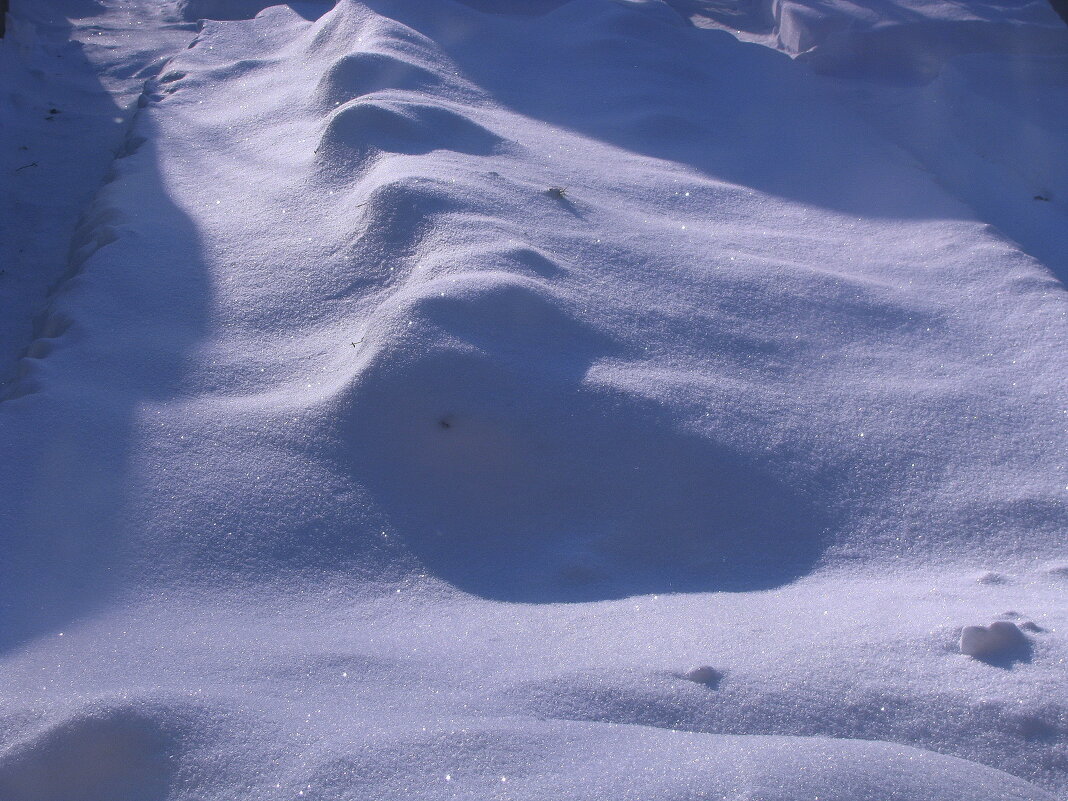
(401, 399)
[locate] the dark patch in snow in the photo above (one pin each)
(112, 754)
(555, 488)
(193, 10)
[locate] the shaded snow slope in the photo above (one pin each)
(444, 379)
(892, 41)
(67, 100)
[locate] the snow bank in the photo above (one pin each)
(909, 40)
(429, 382)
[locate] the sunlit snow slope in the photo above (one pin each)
(427, 385)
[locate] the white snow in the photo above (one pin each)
(703, 674)
(406, 400)
(1000, 638)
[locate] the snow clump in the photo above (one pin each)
(997, 639)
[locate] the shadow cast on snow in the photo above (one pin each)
(228, 10)
(781, 130)
(1020, 653)
(513, 474)
(682, 101)
(109, 340)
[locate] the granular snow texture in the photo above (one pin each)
(401, 398)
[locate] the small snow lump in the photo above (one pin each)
(703, 674)
(997, 639)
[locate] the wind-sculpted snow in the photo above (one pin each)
(362, 73)
(536, 400)
(472, 760)
(514, 476)
(363, 127)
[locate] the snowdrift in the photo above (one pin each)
(419, 389)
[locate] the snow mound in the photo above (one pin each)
(1014, 735)
(572, 762)
(474, 422)
(365, 127)
(364, 72)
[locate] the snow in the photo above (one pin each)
(1002, 638)
(703, 674)
(885, 40)
(533, 399)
